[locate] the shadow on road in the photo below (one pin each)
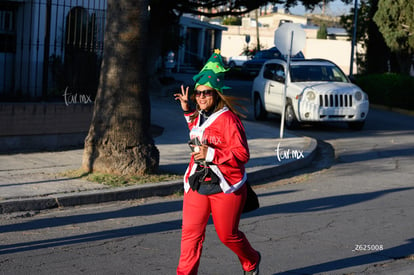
(172, 206)
(393, 253)
(322, 204)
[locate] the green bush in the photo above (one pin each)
(322, 32)
(232, 20)
(390, 89)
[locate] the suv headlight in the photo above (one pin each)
(310, 95)
(358, 96)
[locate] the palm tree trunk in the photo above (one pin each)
(119, 139)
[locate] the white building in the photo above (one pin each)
(336, 48)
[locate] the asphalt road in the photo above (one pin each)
(350, 212)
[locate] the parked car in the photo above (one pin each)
(253, 66)
(317, 91)
(238, 61)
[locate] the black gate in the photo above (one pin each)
(50, 47)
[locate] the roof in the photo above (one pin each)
(313, 60)
(304, 61)
(330, 30)
(192, 22)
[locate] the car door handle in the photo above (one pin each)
(270, 86)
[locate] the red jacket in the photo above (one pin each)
(228, 151)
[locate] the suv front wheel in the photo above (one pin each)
(291, 121)
(259, 112)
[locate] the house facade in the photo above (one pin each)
(200, 38)
(48, 47)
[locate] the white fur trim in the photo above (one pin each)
(225, 186)
(210, 154)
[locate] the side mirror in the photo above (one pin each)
(279, 78)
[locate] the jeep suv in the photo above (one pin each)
(317, 91)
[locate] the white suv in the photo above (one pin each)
(317, 91)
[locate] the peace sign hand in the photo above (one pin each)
(183, 98)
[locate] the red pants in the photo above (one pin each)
(226, 210)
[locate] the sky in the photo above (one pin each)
(334, 8)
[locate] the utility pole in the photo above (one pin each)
(257, 29)
(323, 7)
(354, 38)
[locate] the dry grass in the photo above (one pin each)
(119, 181)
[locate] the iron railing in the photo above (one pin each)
(49, 47)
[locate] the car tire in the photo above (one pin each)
(291, 122)
(356, 125)
(259, 112)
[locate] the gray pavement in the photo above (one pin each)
(31, 181)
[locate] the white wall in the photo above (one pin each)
(338, 51)
(232, 45)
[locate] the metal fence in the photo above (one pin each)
(50, 47)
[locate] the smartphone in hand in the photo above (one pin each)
(194, 143)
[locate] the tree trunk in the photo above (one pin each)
(119, 139)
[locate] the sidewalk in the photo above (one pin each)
(30, 182)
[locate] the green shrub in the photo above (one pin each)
(232, 20)
(322, 32)
(390, 89)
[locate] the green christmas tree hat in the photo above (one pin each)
(212, 74)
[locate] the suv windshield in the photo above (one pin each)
(305, 73)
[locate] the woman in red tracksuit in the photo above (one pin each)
(215, 178)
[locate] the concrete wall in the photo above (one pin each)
(338, 51)
(43, 126)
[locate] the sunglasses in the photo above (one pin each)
(206, 93)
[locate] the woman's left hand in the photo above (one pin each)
(183, 98)
(200, 152)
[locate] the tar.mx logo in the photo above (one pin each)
(71, 98)
(288, 153)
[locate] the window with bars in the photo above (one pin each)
(7, 30)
